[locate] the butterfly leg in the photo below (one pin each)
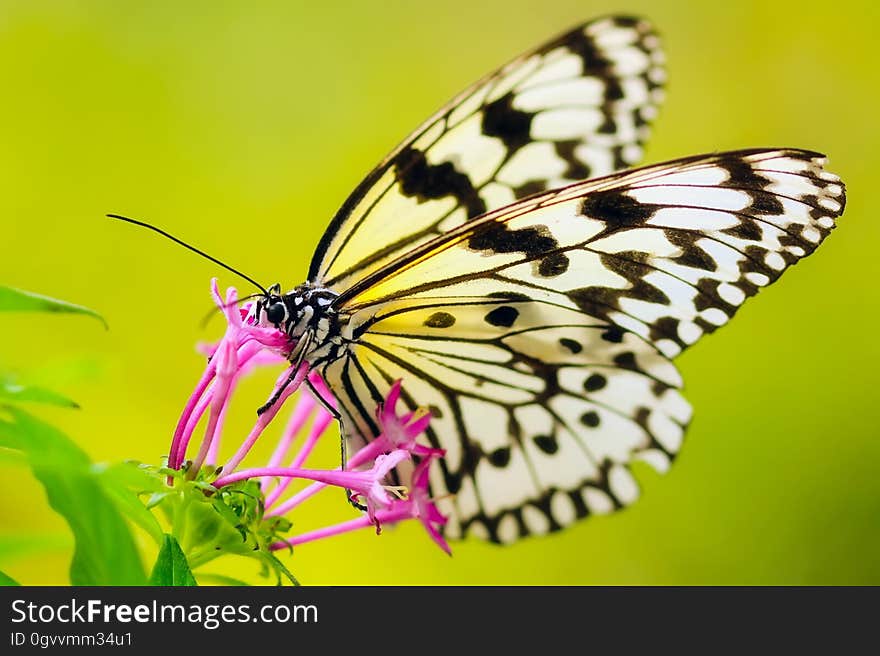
(278, 392)
(343, 464)
(296, 358)
(328, 406)
(343, 456)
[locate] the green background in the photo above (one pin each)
(242, 127)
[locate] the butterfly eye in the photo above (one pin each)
(276, 313)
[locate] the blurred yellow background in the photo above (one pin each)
(242, 127)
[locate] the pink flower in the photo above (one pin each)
(401, 432)
(243, 348)
(231, 359)
(424, 509)
(418, 505)
(368, 484)
(364, 484)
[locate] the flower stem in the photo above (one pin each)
(264, 419)
(320, 425)
(366, 454)
(384, 517)
(175, 456)
(305, 405)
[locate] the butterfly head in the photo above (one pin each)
(271, 309)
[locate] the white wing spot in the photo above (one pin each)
(689, 332)
(758, 279)
(521, 167)
(665, 431)
(622, 484)
(658, 460)
(497, 195)
(631, 153)
(565, 66)
(580, 91)
(667, 347)
(649, 112)
(714, 316)
(731, 294)
(508, 531)
(651, 42)
(535, 520)
(562, 508)
(829, 204)
(811, 235)
(774, 261)
(597, 501)
(703, 177)
(717, 198)
(565, 123)
(677, 407)
(478, 530)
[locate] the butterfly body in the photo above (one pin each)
(532, 294)
(306, 315)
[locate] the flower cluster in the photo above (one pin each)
(246, 346)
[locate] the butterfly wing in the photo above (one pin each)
(540, 334)
(539, 417)
(576, 107)
(668, 252)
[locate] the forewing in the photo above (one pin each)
(577, 107)
(668, 252)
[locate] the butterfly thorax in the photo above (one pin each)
(306, 315)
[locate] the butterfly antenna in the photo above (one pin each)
(192, 248)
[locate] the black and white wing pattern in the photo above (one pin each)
(540, 334)
(577, 107)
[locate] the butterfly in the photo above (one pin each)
(531, 290)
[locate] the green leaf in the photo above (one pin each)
(12, 391)
(206, 528)
(11, 456)
(123, 483)
(19, 544)
(16, 300)
(280, 570)
(221, 579)
(105, 552)
(6, 580)
(171, 567)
